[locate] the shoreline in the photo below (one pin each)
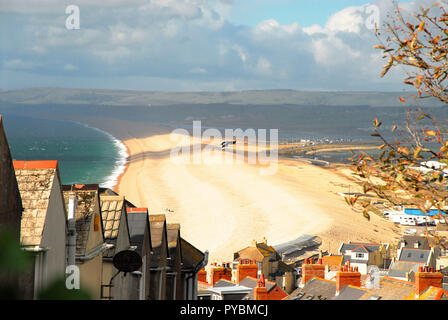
(223, 208)
(112, 180)
(116, 187)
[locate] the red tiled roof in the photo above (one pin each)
(362, 249)
(130, 210)
(43, 164)
(332, 260)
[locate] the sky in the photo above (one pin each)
(196, 45)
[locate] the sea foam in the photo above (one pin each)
(120, 165)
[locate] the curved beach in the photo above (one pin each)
(223, 207)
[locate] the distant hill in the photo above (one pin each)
(160, 98)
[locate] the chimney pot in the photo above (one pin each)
(420, 269)
(319, 261)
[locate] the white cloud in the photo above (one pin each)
(177, 40)
(350, 19)
(18, 64)
(70, 67)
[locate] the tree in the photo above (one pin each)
(412, 166)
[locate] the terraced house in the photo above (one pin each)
(88, 235)
(43, 226)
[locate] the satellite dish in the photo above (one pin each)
(127, 261)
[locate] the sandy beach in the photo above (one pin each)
(223, 206)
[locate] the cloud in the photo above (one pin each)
(18, 64)
(188, 45)
(70, 67)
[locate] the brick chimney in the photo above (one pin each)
(202, 275)
(426, 277)
(260, 291)
(246, 268)
(220, 272)
(347, 276)
(311, 270)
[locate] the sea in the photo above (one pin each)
(85, 154)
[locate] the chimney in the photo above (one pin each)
(310, 270)
(260, 291)
(347, 276)
(426, 277)
(202, 275)
(219, 272)
(246, 268)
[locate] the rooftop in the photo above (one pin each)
(315, 289)
(112, 208)
(35, 181)
(87, 200)
(414, 255)
(138, 222)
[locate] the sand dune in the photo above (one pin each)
(223, 206)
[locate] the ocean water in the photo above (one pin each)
(84, 154)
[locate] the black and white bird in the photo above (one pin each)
(224, 144)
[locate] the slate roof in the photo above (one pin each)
(224, 283)
(10, 201)
(350, 293)
(157, 224)
(359, 247)
(138, 222)
(400, 269)
(236, 289)
(173, 236)
(191, 256)
(411, 240)
(391, 289)
(414, 255)
(315, 289)
(298, 247)
(35, 181)
(112, 208)
(87, 200)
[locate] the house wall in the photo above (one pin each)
(54, 235)
(289, 282)
(124, 287)
(95, 238)
(91, 273)
(146, 252)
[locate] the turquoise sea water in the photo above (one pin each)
(84, 154)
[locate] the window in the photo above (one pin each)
(360, 255)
